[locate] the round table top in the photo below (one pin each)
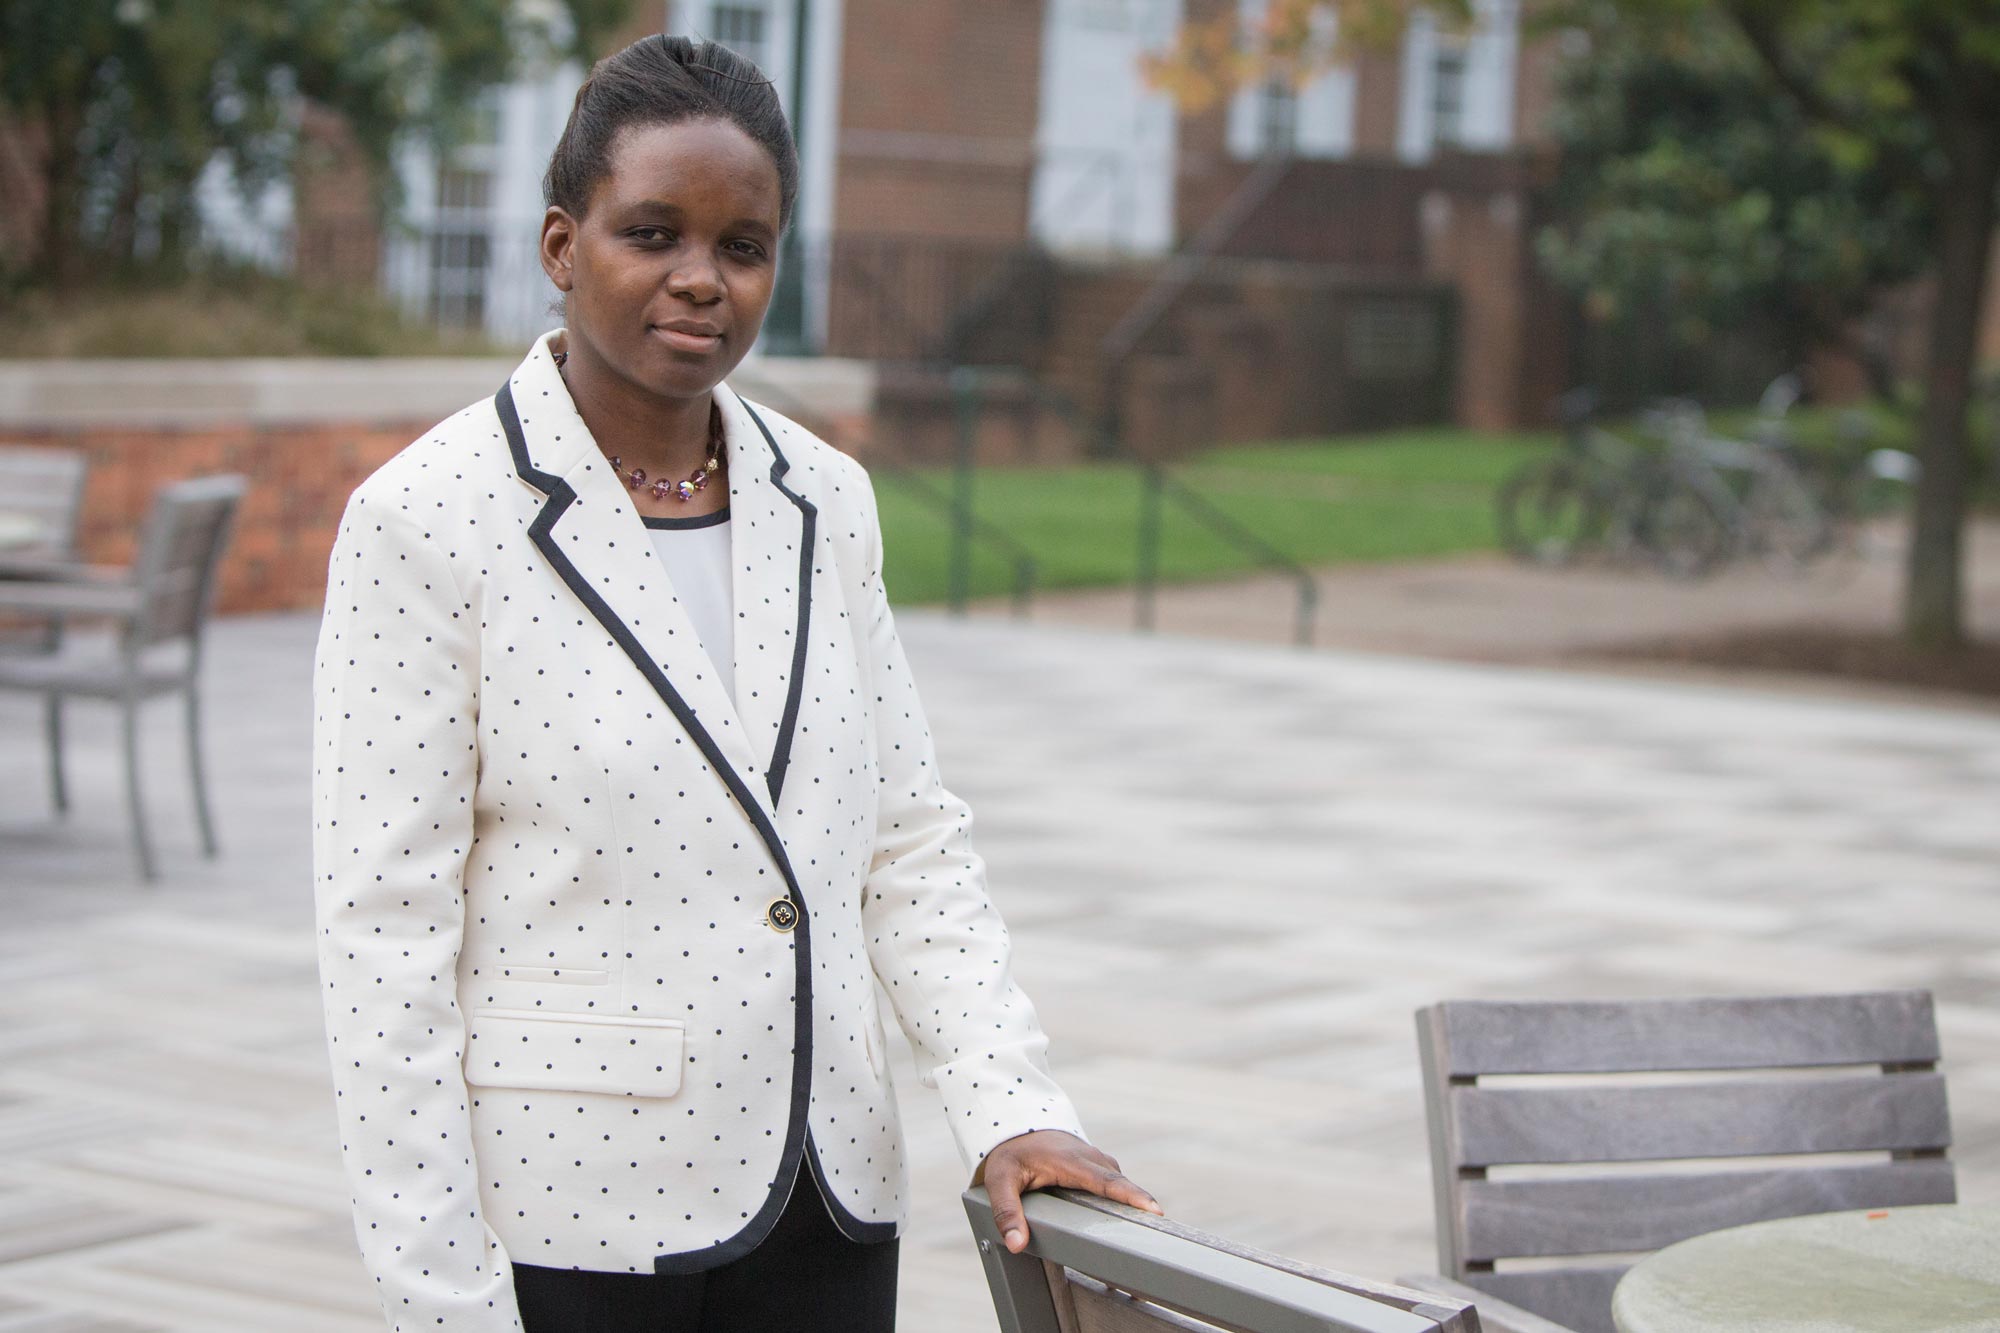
(1898, 1270)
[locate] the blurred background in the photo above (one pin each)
(1606, 393)
(1198, 290)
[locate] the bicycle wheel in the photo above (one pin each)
(1784, 524)
(1547, 513)
(1686, 530)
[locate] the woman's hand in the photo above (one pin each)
(1046, 1157)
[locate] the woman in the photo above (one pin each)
(624, 804)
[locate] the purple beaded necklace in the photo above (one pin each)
(661, 488)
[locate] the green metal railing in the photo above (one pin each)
(1158, 488)
(954, 506)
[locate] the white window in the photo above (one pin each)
(1109, 15)
(1448, 91)
(460, 244)
(742, 28)
(1277, 116)
(1105, 143)
(1313, 119)
(1458, 84)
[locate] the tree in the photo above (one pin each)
(1909, 89)
(1689, 196)
(134, 98)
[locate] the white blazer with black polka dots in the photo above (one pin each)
(553, 864)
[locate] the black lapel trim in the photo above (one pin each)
(781, 753)
(560, 496)
(517, 445)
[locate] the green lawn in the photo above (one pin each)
(1380, 497)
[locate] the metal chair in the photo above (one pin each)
(160, 606)
(1092, 1265)
(41, 490)
(1556, 1128)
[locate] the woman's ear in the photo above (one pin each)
(558, 242)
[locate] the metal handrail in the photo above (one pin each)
(935, 498)
(888, 296)
(964, 523)
(1186, 265)
(968, 383)
(1159, 486)
(1182, 269)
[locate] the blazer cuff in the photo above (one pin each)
(982, 1125)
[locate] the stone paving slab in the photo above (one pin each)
(1231, 871)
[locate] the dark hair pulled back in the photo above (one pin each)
(661, 81)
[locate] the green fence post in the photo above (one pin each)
(1151, 502)
(965, 414)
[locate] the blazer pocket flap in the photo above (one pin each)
(633, 1057)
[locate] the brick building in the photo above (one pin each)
(984, 182)
(990, 180)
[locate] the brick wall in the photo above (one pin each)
(1463, 219)
(293, 428)
(1378, 102)
(300, 477)
(1535, 79)
(938, 103)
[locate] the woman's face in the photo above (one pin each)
(669, 272)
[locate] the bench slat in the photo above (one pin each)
(1751, 1032)
(1508, 1219)
(1734, 1117)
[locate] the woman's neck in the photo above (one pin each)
(668, 437)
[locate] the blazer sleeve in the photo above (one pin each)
(395, 761)
(934, 939)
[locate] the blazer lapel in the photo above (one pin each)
(773, 530)
(591, 534)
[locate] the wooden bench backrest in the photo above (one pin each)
(1594, 1089)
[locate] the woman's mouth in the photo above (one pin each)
(688, 337)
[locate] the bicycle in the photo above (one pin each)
(1604, 492)
(1553, 510)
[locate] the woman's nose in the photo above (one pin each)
(697, 280)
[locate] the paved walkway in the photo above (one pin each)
(1488, 608)
(1232, 873)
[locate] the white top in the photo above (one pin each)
(696, 554)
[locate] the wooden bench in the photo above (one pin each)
(1093, 1266)
(1627, 1109)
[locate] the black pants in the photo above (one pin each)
(805, 1277)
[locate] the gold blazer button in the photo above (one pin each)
(781, 915)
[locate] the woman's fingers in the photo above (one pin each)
(1011, 1175)
(1121, 1190)
(1003, 1190)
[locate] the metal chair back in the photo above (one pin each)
(1579, 1136)
(1093, 1266)
(180, 552)
(45, 486)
